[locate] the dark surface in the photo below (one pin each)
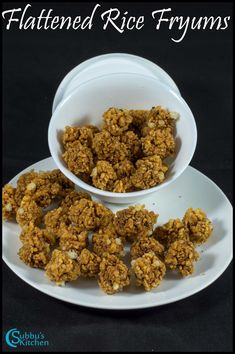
(34, 62)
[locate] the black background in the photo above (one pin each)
(34, 63)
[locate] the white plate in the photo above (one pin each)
(191, 189)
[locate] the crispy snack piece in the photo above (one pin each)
(83, 134)
(9, 205)
(70, 135)
(114, 275)
(159, 118)
(72, 238)
(134, 222)
(64, 182)
(159, 142)
(104, 216)
(106, 241)
(53, 221)
(35, 251)
(31, 230)
(22, 183)
(116, 120)
(62, 267)
(89, 215)
(173, 230)
(89, 263)
(198, 225)
(138, 117)
(85, 177)
(28, 212)
(44, 191)
(108, 147)
(145, 245)
(122, 185)
(103, 175)
(150, 171)
(149, 271)
(71, 197)
(124, 168)
(43, 187)
(180, 256)
(109, 229)
(133, 144)
(79, 158)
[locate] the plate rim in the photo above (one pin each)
(128, 307)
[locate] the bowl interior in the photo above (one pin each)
(86, 104)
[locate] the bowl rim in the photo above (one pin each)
(84, 65)
(78, 182)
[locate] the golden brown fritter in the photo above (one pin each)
(134, 222)
(124, 169)
(149, 271)
(89, 215)
(116, 120)
(198, 225)
(109, 148)
(29, 231)
(85, 177)
(138, 117)
(62, 268)
(83, 134)
(114, 275)
(89, 263)
(122, 185)
(150, 171)
(173, 230)
(71, 197)
(35, 251)
(109, 229)
(159, 142)
(79, 158)
(103, 175)
(159, 118)
(70, 135)
(181, 256)
(103, 214)
(106, 242)
(9, 205)
(67, 186)
(43, 187)
(45, 192)
(53, 221)
(22, 183)
(133, 144)
(144, 245)
(29, 212)
(72, 238)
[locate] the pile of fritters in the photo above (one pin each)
(127, 154)
(70, 235)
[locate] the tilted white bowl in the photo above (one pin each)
(86, 104)
(110, 63)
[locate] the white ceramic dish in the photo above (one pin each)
(86, 104)
(193, 189)
(108, 64)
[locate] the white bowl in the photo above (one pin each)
(86, 104)
(109, 64)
